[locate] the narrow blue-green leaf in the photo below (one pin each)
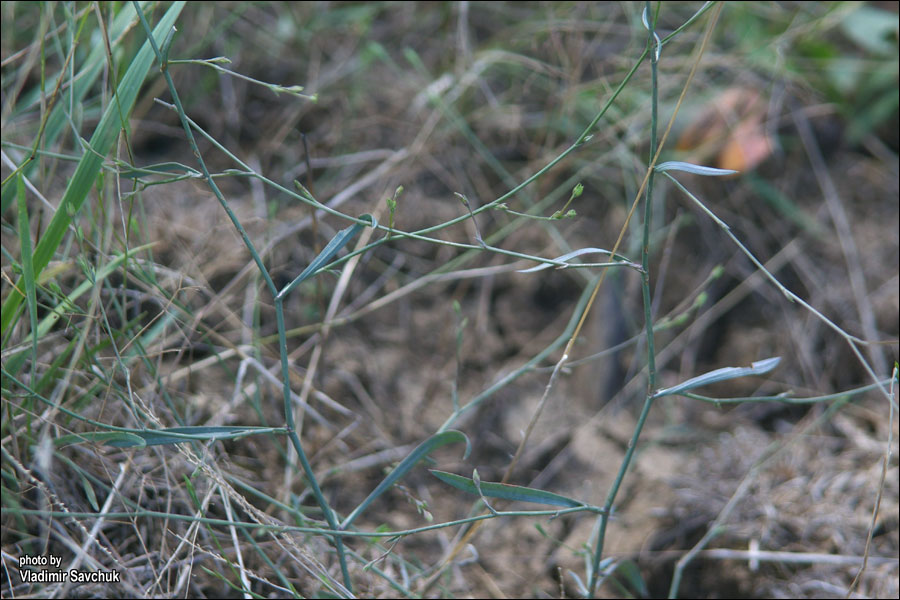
(27, 265)
(177, 435)
(676, 165)
(121, 439)
(560, 261)
(165, 168)
(82, 181)
(629, 570)
(582, 589)
(337, 242)
(504, 491)
(167, 43)
(89, 492)
(760, 367)
(605, 570)
(420, 452)
(647, 26)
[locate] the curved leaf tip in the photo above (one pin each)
(677, 165)
(759, 367)
(373, 222)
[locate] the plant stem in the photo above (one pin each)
(648, 314)
(279, 311)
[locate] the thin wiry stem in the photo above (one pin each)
(285, 372)
(648, 315)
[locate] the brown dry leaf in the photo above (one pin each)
(730, 128)
(747, 146)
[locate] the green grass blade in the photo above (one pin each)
(89, 166)
(27, 265)
(82, 83)
(101, 274)
(15, 361)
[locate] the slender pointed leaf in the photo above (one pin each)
(420, 452)
(677, 165)
(89, 492)
(166, 168)
(759, 367)
(629, 570)
(582, 589)
(177, 435)
(337, 242)
(27, 265)
(561, 260)
(120, 439)
(505, 491)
